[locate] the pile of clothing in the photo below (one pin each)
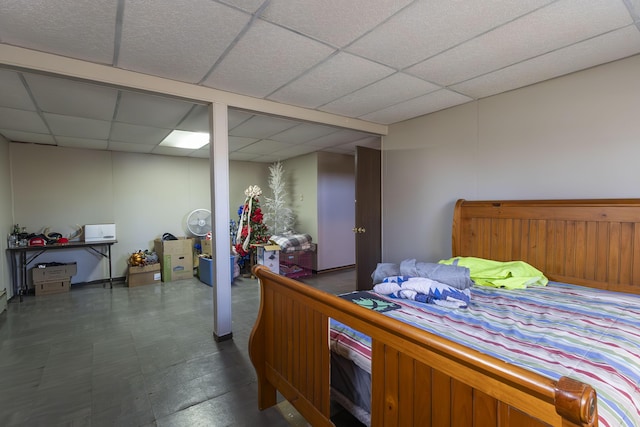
(448, 282)
(433, 283)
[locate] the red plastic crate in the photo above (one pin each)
(297, 264)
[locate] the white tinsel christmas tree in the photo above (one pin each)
(279, 218)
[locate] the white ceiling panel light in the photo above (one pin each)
(186, 139)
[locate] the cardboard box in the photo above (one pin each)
(269, 256)
(53, 273)
(176, 267)
(52, 287)
(99, 232)
(143, 275)
(207, 247)
(176, 258)
(184, 245)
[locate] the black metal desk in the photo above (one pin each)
(22, 256)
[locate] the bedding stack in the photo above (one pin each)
(297, 255)
(432, 283)
(447, 282)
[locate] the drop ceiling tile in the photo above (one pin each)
(125, 132)
(342, 73)
(26, 121)
(369, 142)
(383, 93)
(83, 30)
(337, 138)
(129, 147)
(427, 27)
(150, 110)
(89, 144)
(236, 117)
(238, 142)
(336, 22)
(425, 104)
(78, 127)
(19, 136)
(262, 127)
(265, 146)
(202, 153)
(197, 120)
(13, 92)
(250, 6)
(606, 48)
(172, 151)
(442, 30)
(72, 98)
(242, 157)
(255, 65)
(302, 133)
(550, 28)
(188, 36)
(295, 150)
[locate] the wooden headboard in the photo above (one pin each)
(593, 243)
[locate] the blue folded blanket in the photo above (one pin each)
(424, 290)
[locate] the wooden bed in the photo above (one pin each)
(422, 379)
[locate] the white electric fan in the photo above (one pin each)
(199, 222)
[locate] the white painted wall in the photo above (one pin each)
(6, 221)
(145, 195)
(576, 136)
(336, 210)
(322, 191)
(148, 195)
(301, 175)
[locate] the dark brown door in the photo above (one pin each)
(368, 215)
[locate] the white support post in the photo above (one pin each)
(221, 244)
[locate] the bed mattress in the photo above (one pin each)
(557, 330)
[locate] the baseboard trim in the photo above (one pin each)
(331, 270)
(3, 301)
(122, 279)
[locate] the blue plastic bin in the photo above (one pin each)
(205, 270)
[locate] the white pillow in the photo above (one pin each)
(386, 288)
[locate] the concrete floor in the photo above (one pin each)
(140, 356)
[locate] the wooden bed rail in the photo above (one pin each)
(415, 374)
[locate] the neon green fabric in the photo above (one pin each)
(500, 274)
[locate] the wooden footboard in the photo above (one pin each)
(417, 378)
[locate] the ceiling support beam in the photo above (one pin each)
(40, 62)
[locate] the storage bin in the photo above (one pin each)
(205, 270)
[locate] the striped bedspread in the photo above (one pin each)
(587, 334)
